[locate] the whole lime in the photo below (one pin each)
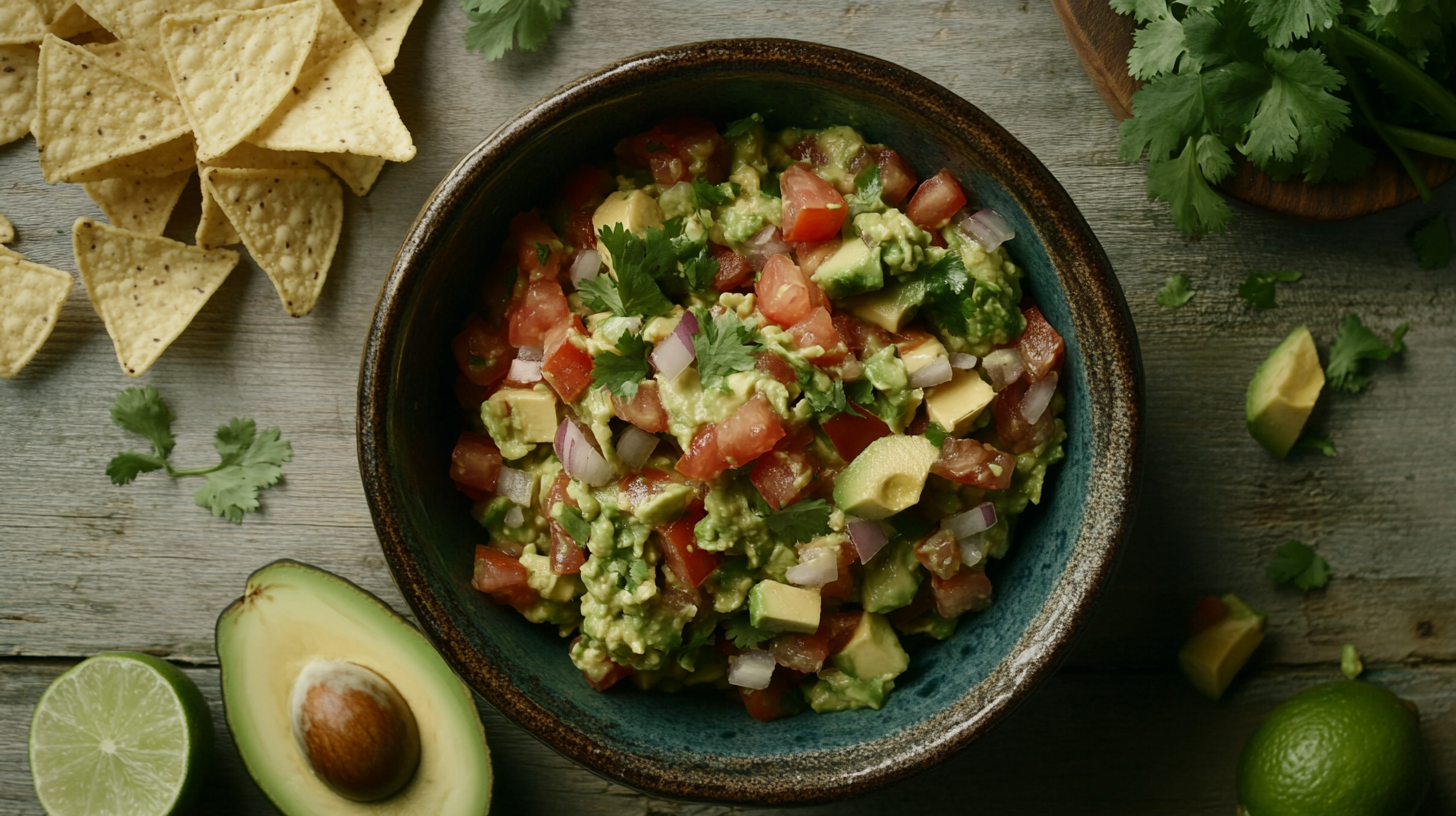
(1348, 748)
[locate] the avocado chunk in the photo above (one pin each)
(293, 617)
(956, 404)
(853, 270)
(872, 651)
(776, 607)
(890, 307)
(886, 478)
(1212, 657)
(1283, 392)
(519, 418)
(923, 355)
(891, 578)
(837, 691)
(635, 210)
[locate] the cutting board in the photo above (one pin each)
(1102, 39)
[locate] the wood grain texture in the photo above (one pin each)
(89, 567)
(1102, 37)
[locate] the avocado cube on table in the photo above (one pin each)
(1283, 392)
(1212, 657)
(872, 651)
(852, 270)
(956, 404)
(776, 607)
(886, 478)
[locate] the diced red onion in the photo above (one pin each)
(978, 519)
(932, 373)
(515, 518)
(816, 568)
(534, 354)
(1038, 397)
(964, 362)
(868, 538)
(586, 266)
(851, 369)
(752, 669)
(973, 549)
(1003, 366)
(524, 371)
(514, 485)
(986, 228)
(765, 244)
(578, 458)
(634, 447)
(676, 353)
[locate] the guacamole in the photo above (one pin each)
(754, 411)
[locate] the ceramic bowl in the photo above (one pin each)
(701, 746)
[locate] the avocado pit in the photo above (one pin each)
(354, 730)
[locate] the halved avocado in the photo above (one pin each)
(294, 616)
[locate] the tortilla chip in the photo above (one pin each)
(145, 288)
(31, 297)
(72, 20)
(21, 21)
(162, 160)
(51, 9)
(250, 155)
(358, 172)
(121, 57)
(334, 35)
(342, 106)
(213, 228)
(233, 68)
(88, 114)
(19, 69)
(7, 231)
(381, 24)
(290, 222)
(139, 204)
(7, 252)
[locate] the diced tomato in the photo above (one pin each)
(644, 410)
(481, 352)
(749, 432)
(813, 209)
(852, 432)
(475, 465)
(770, 363)
(811, 254)
(541, 308)
(585, 185)
(782, 477)
(938, 198)
(613, 674)
(783, 292)
(818, 330)
(967, 591)
(534, 240)
(702, 460)
(565, 366)
(939, 554)
(969, 461)
(1210, 610)
(678, 149)
(733, 269)
(700, 148)
(923, 602)
(919, 424)
(580, 231)
(769, 704)
(896, 177)
(502, 577)
(849, 567)
(859, 335)
(644, 484)
(807, 150)
(558, 493)
(802, 653)
(680, 551)
(795, 440)
(1040, 344)
(566, 555)
(1018, 434)
(838, 628)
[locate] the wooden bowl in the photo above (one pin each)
(1102, 39)
(700, 745)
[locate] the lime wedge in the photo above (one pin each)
(124, 734)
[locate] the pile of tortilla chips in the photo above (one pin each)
(272, 102)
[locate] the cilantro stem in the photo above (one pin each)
(1398, 71)
(176, 472)
(1338, 59)
(1422, 141)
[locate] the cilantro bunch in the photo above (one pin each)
(1300, 88)
(499, 25)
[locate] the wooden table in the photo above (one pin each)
(87, 567)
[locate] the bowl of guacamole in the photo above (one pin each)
(726, 421)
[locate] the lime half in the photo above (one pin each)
(119, 735)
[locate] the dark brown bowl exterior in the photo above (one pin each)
(700, 747)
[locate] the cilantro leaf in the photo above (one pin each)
(127, 465)
(705, 196)
(1175, 292)
(142, 411)
(1258, 290)
(1432, 242)
(1297, 116)
(637, 264)
(497, 25)
(1167, 112)
(622, 373)
(699, 269)
(1310, 440)
(600, 294)
(800, 521)
(947, 284)
(935, 433)
(1141, 10)
(742, 126)
(1156, 48)
(829, 403)
(743, 634)
(860, 392)
(1298, 563)
(639, 571)
(723, 345)
(1281, 21)
(1195, 207)
(1354, 343)
(575, 525)
(543, 254)
(868, 192)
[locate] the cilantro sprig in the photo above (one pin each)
(742, 126)
(1299, 563)
(250, 460)
(743, 634)
(1176, 292)
(801, 521)
(621, 373)
(1353, 344)
(1258, 289)
(499, 25)
(724, 345)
